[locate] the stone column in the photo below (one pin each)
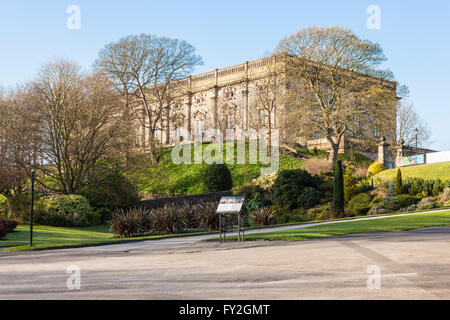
(188, 124)
(383, 151)
(400, 152)
(246, 97)
(216, 101)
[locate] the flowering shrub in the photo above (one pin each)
(375, 168)
(265, 182)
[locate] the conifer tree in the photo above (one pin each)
(399, 183)
(338, 190)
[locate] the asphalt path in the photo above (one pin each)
(389, 265)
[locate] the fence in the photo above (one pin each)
(427, 158)
(437, 157)
(190, 200)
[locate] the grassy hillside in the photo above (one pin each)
(426, 171)
(170, 178)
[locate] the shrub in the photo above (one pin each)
(405, 200)
(286, 215)
(445, 196)
(398, 183)
(111, 192)
(438, 187)
(10, 225)
(326, 188)
(263, 217)
(338, 190)
(360, 204)
(319, 213)
(309, 198)
(447, 204)
(290, 184)
(265, 182)
(423, 188)
(248, 191)
(426, 203)
(375, 168)
(64, 211)
(170, 219)
(350, 183)
(377, 209)
(3, 231)
(412, 208)
(18, 207)
(206, 216)
(376, 200)
(126, 224)
(390, 202)
(217, 178)
(95, 218)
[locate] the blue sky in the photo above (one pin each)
(414, 35)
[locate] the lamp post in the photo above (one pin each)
(416, 133)
(31, 208)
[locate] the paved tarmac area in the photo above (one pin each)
(413, 265)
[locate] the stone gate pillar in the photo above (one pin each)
(383, 152)
(400, 153)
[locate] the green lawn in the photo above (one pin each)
(400, 223)
(426, 171)
(45, 237)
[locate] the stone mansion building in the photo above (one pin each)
(226, 99)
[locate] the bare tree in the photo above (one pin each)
(145, 68)
(14, 144)
(408, 124)
(269, 95)
(335, 86)
(80, 122)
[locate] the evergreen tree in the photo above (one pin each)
(338, 190)
(399, 183)
(350, 187)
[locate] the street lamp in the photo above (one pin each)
(416, 133)
(31, 207)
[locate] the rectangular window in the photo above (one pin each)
(357, 123)
(376, 130)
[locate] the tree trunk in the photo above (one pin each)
(333, 152)
(152, 150)
(334, 148)
(269, 136)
